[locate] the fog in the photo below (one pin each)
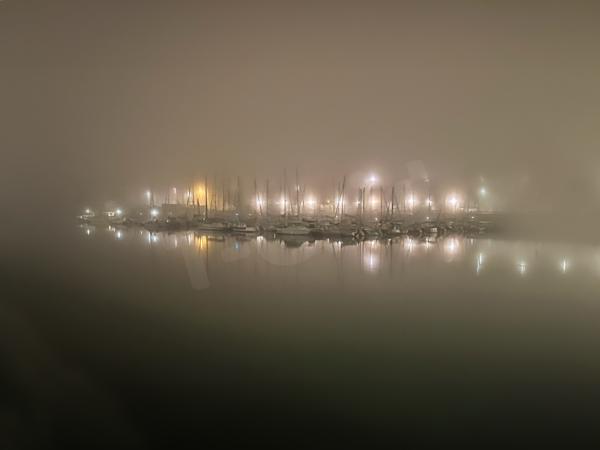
(144, 326)
(103, 100)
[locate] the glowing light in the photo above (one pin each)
(479, 262)
(201, 242)
(453, 201)
(371, 257)
(482, 192)
(522, 267)
(564, 266)
(200, 192)
(148, 195)
(88, 211)
(429, 202)
(311, 202)
(154, 238)
(452, 246)
(88, 232)
(119, 235)
(429, 241)
(372, 262)
(411, 201)
(154, 212)
(118, 212)
(372, 179)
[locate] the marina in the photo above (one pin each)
(377, 211)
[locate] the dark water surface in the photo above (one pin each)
(142, 340)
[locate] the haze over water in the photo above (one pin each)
(119, 337)
(242, 329)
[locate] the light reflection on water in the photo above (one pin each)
(350, 259)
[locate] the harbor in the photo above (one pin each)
(373, 211)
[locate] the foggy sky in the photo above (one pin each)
(101, 99)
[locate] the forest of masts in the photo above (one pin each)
(371, 200)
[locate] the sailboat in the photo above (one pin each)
(295, 228)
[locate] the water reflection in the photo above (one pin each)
(371, 254)
(352, 260)
(564, 265)
(479, 263)
(522, 267)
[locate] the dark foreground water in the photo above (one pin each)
(114, 338)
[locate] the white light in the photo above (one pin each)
(412, 201)
(119, 212)
(479, 262)
(154, 212)
(522, 266)
(482, 191)
(119, 235)
(372, 179)
(372, 262)
(87, 211)
(452, 246)
(564, 265)
(148, 194)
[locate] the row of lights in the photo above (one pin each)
(372, 180)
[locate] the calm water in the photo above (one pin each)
(151, 336)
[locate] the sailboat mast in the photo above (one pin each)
(342, 196)
(381, 203)
(238, 202)
(205, 197)
(258, 202)
(285, 212)
(297, 195)
(267, 200)
(393, 198)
